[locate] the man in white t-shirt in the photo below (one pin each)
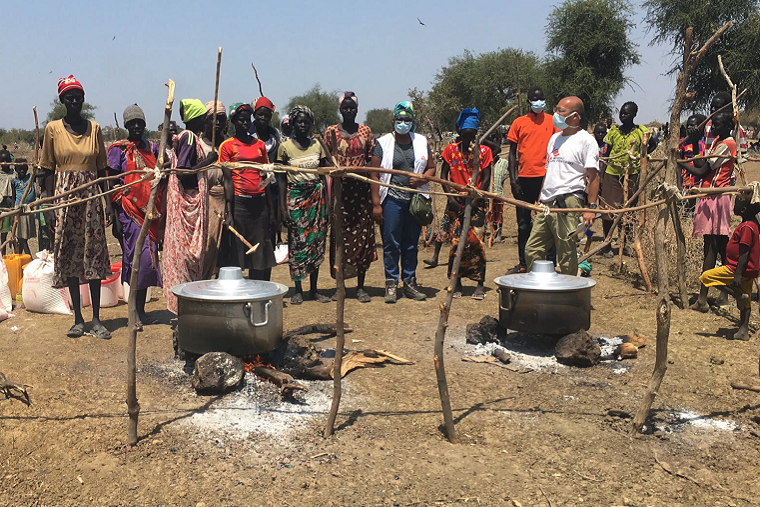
(571, 156)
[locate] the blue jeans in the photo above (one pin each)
(401, 235)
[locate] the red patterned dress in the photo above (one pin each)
(358, 226)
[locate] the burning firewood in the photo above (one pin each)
(7, 386)
(288, 386)
(325, 329)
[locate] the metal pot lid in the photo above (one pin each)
(543, 278)
(230, 286)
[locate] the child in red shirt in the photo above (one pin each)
(742, 265)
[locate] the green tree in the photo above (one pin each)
(488, 81)
(323, 104)
(58, 111)
(740, 45)
(589, 52)
(379, 121)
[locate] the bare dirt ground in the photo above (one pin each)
(541, 438)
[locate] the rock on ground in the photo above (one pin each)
(578, 349)
(487, 330)
(217, 372)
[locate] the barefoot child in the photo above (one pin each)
(742, 266)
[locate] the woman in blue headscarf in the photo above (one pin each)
(458, 164)
(406, 151)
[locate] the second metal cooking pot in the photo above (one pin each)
(544, 302)
(231, 314)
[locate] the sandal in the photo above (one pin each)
(479, 295)
(321, 298)
(362, 296)
(517, 270)
(701, 309)
(296, 299)
(100, 331)
(76, 331)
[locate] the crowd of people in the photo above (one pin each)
(552, 160)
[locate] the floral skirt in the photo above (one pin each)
(80, 250)
(307, 227)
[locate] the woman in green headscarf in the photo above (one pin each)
(405, 151)
(186, 231)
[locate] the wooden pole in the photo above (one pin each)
(624, 228)
(683, 295)
(216, 98)
(36, 138)
(737, 124)
(641, 222)
(256, 73)
(691, 59)
(340, 338)
(133, 407)
(443, 321)
(517, 73)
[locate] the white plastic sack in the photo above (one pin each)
(6, 300)
(38, 292)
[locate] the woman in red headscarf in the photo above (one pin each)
(73, 152)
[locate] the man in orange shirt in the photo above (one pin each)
(528, 138)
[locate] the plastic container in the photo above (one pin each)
(110, 288)
(125, 293)
(15, 265)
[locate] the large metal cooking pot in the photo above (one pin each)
(544, 302)
(231, 314)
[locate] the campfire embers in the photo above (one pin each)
(298, 358)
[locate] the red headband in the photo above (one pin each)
(68, 83)
(263, 102)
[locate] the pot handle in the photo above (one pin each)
(511, 300)
(249, 312)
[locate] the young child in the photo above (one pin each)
(742, 266)
(26, 228)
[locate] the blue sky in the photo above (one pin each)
(376, 49)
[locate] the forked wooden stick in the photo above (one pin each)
(133, 407)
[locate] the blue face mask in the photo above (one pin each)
(537, 105)
(402, 127)
(561, 121)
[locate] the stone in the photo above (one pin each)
(578, 349)
(626, 351)
(217, 372)
(487, 330)
(635, 339)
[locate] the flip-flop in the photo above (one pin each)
(362, 296)
(76, 331)
(321, 298)
(479, 296)
(99, 331)
(698, 309)
(296, 299)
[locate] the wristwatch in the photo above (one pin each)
(593, 205)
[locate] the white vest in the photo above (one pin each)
(420, 147)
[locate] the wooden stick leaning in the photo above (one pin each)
(12, 236)
(133, 407)
(737, 124)
(626, 177)
(340, 337)
(216, 98)
(445, 307)
(691, 59)
(641, 222)
(256, 74)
